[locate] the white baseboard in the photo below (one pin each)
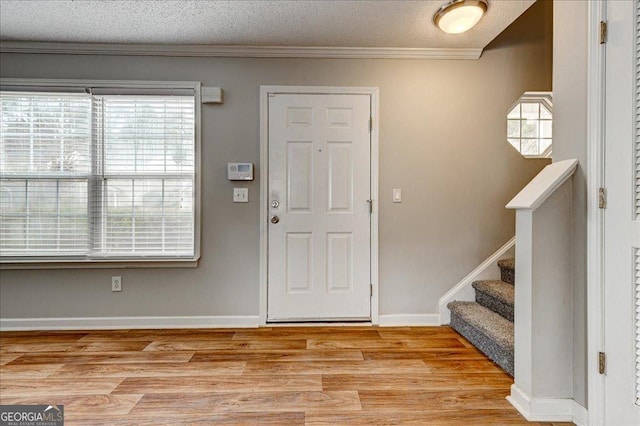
(463, 291)
(107, 323)
(547, 409)
(580, 414)
(409, 319)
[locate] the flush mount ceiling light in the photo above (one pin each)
(459, 16)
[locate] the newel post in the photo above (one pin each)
(543, 295)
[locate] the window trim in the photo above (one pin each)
(40, 85)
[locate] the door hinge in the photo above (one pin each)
(603, 32)
(602, 362)
(370, 290)
(370, 206)
(602, 198)
(370, 124)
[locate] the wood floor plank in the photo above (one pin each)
(393, 400)
(225, 384)
(19, 372)
(231, 345)
(37, 338)
(102, 358)
(43, 333)
(428, 381)
(90, 407)
(190, 369)
(286, 355)
(160, 336)
(337, 367)
(226, 419)
(183, 331)
(56, 386)
(7, 358)
(466, 367)
(111, 346)
(309, 402)
(461, 354)
(383, 344)
(419, 334)
(420, 418)
(305, 333)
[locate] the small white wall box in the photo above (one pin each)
(240, 171)
(211, 95)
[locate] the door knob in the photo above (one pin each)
(275, 219)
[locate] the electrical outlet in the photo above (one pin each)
(240, 195)
(116, 283)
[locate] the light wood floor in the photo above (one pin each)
(283, 376)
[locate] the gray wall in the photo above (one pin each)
(570, 141)
(442, 140)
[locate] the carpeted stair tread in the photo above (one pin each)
(507, 270)
(497, 296)
(487, 322)
(502, 291)
(507, 263)
(486, 330)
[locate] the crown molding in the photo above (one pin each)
(237, 51)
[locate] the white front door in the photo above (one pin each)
(319, 210)
(622, 216)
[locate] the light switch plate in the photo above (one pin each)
(397, 195)
(240, 195)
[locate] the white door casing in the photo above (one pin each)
(320, 256)
(621, 250)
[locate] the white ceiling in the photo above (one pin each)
(306, 23)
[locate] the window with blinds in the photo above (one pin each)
(97, 176)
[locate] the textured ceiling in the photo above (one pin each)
(399, 24)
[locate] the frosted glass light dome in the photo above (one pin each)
(459, 16)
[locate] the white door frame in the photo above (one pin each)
(265, 91)
(595, 217)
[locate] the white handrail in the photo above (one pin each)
(463, 291)
(543, 185)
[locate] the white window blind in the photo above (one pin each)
(99, 177)
(45, 166)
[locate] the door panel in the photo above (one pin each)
(299, 176)
(319, 177)
(299, 262)
(340, 182)
(621, 224)
(339, 262)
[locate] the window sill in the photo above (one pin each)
(105, 264)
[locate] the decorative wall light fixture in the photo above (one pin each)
(459, 16)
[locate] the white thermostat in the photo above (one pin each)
(240, 171)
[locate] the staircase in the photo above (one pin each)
(488, 322)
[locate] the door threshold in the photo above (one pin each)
(323, 323)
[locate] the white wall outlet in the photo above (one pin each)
(116, 283)
(240, 195)
(397, 195)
